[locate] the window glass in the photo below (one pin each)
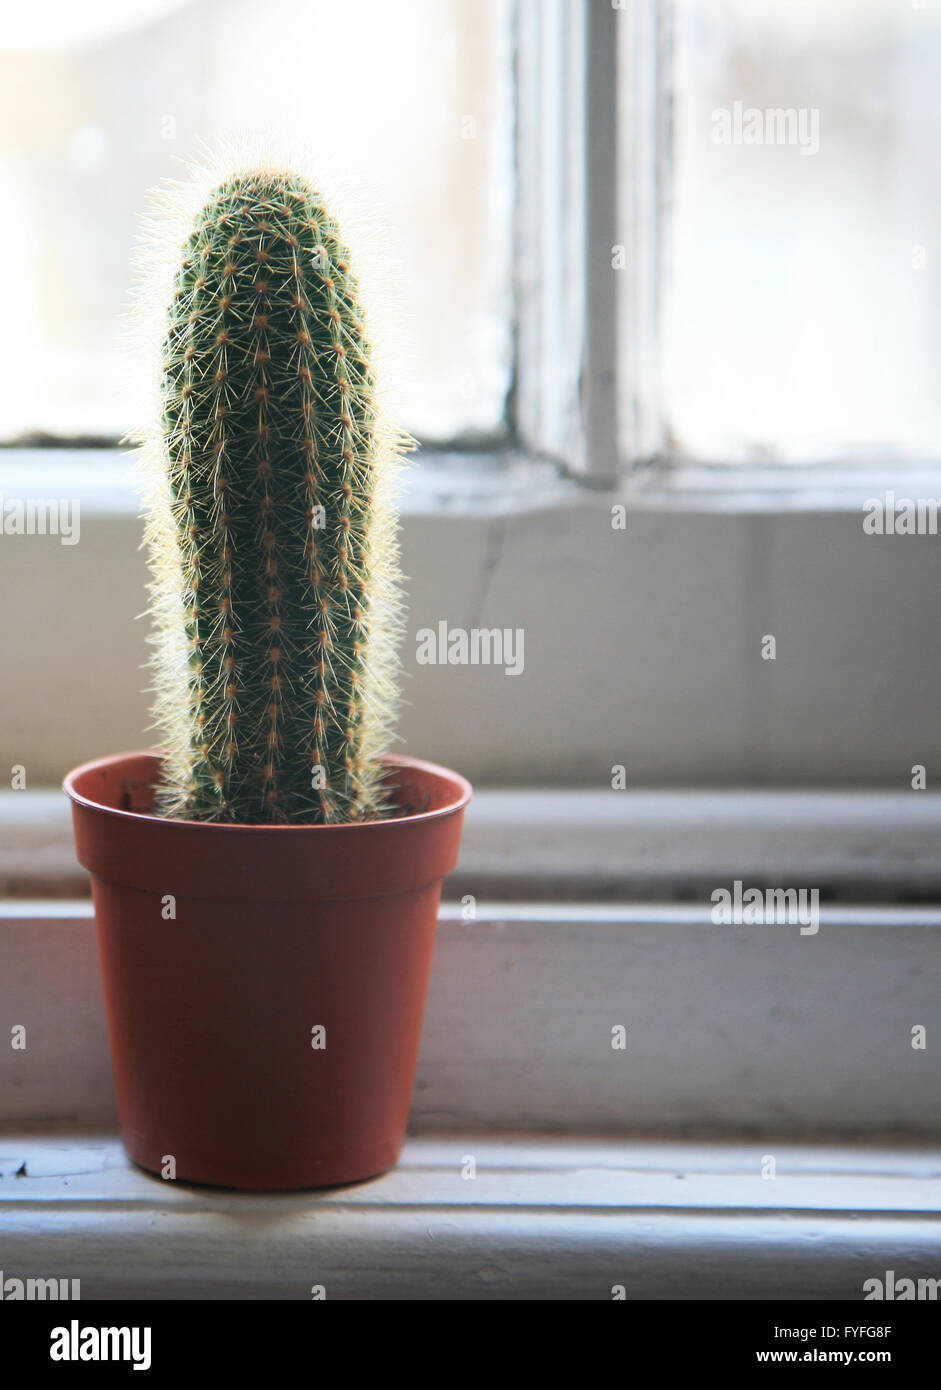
(802, 275)
(407, 106)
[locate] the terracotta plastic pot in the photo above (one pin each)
(264, 985)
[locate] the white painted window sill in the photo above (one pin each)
(591, 911)
(544, 1218)
(858, 845)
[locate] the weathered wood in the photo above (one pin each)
(607, 845)
(723, 1026)
(543, 1218)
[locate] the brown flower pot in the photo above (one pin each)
(226, 949)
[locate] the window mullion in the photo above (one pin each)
(644, 144)
(551, 227)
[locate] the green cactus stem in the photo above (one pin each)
(272, 530)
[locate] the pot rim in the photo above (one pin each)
(231, 828)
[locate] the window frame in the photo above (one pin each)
(562, 403)
(592, 166)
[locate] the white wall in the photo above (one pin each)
(642, 646)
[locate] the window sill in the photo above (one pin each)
(508, 481)
(571, 914)
(455, 483)
(544, 1218)
(607, 846)
(769, 489)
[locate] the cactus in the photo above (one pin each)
(271, 526)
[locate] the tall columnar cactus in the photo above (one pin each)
(271, 524)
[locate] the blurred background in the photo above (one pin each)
(407, 106)
(800, 320)
(834, 248)
(605, 293)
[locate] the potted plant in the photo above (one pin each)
(266, 885)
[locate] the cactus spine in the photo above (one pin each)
(271, 528)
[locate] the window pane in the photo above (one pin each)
(802, 291)
(407, 105)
